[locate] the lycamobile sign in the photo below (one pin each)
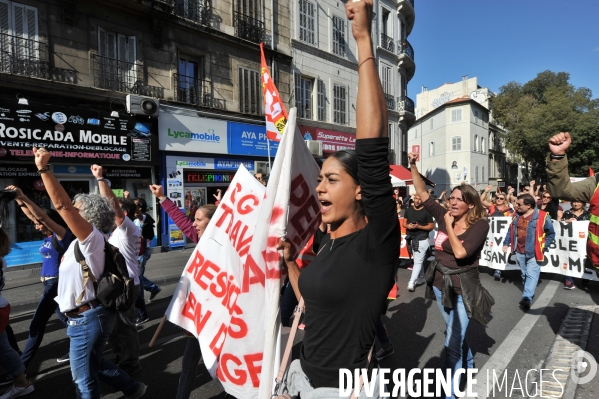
(209, 137)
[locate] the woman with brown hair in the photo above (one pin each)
(453, 278)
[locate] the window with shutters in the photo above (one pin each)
(475, 143)
(20, 51)
(482, 145)
(303, 96)
(482, 177)
(249, 92)
(476, 116)
(307, 15)
(339, 104)
(114, 65)
(456, 115)
(431, 148)
(456, 143)
(322, 101)
(476, 174)
(338, 36)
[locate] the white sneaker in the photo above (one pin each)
(15, 392)
(419, 281)
(411, 287)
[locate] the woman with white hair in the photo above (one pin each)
(89, 217)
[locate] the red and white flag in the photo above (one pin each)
(228, 294)
(274, 109)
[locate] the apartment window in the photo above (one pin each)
(431, 124)
(476, 116)
(390, 133)
(482, 145)
(431, 148)
(456, 143)
(249, 92)
(386, 78)
(404, 86)
(188, 86)
(306, 22)
(456, 115)
(482, 174)
(114, 66)
(476, 174)
(19, 46)
(475, 143)
(303, 96)
(340, 104)
(322, 100)
(339, 36)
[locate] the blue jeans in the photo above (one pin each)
(9, 358)
(89, 332)
(46, 307)
(457, 351)
(530, 274)
(146, 285)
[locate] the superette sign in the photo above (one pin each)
(332, 141)
(74, 135)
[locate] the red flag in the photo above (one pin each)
(498, 189)
(274, 109)
(591, 173)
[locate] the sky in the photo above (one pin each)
(503, 41)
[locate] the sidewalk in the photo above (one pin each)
(23, 288)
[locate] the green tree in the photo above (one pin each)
(542, 107)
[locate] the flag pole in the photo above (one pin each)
(268, 148)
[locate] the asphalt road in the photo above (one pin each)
(415, 326)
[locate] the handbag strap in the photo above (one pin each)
(285, 360)
(286, 355)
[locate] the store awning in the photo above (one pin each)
(404, 175)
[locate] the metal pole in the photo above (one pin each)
(268, 147)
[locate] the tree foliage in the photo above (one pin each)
(542, 107)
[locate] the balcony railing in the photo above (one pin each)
(126, 77)
(390, 100)
(405, 48)
(23, 57)
(198, 11)
(387, 43)
(405, 104)
(248, 28)
(196, 92)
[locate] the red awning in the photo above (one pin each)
(405, 174)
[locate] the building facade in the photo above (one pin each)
(395, 58)
(325, 71)
(458, 140)
(99, 76)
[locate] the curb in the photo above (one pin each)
(572, 337)
(30, 305)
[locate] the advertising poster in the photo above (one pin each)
(24, 253)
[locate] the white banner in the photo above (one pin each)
(566, 255)
(228, 295)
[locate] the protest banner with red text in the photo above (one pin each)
(209, 300)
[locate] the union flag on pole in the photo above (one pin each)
(274, 110)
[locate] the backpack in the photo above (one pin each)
(57, 246)
(147, 229)
(115, 288)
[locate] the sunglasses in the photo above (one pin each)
(547, 196)
(500, 198)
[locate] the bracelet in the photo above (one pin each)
(369, 58)
(44, 169)
(105, 180)
(557, 157)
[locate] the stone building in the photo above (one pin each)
(96, 78)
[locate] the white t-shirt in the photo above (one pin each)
(127, 238)
(70, 282)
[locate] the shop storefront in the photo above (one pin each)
(77, 138)
(200, 156)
